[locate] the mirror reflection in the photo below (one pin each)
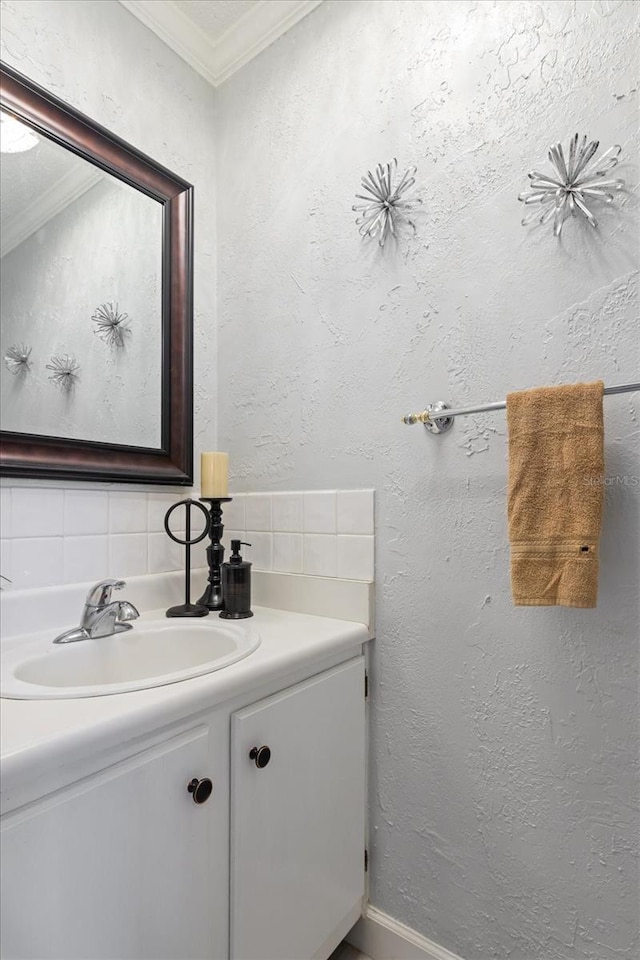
(81, 297)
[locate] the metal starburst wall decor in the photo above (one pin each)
(65, 371)
(383, 203)
(574, 184)
(111, 325)
(17, 359)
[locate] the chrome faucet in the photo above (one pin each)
(102, 616)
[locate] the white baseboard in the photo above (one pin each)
(381, 937)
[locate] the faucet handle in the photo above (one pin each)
(100, 594)
(127, 611)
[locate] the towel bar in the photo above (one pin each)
(438, 418)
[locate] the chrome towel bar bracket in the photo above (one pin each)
(431, 418)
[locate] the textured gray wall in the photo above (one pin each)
(103, 61)
(503, 741)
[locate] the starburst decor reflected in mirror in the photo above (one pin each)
(65, 371)
(17, 359)
(576, 182)
(384, 205)
(111, 326)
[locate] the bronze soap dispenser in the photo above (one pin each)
(236, 585)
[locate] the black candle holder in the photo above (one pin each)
(212, 597)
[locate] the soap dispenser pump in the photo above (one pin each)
(236, 585)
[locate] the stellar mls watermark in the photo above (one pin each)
(617, 480)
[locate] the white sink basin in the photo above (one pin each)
(153, 653)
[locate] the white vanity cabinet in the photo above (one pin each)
(122, 863)
(297, 822)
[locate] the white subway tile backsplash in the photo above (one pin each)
(157, 506)
(355, 511)
(355, 558)
(127, 512)
(54, 535)
(320, 511)
(198, 557)
(62, 535)
(287, 552)
(320, 551)
(288, 512)
(233, 513)
(164, 554)
(85, 559)
(86, 512)
(258, 511)
(5, 513)
(128, 554)
(259, 553)
(37, 562)
(37, 512)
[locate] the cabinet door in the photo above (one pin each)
(118, 865)
(297, 834)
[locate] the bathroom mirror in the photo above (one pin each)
(96, 300)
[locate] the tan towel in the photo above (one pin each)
(556, 474)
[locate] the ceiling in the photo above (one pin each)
(215, 17)
(218, 37)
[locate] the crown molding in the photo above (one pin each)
(218, 60)
(48, 205)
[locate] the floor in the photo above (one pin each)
(346, 952)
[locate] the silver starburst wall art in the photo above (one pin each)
(111, 326)
(384, 203)
(576, 182)
(65, 371)
(17, 359)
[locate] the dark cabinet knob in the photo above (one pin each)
(200, 790)
(260, 755)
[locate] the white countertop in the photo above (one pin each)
(36, 736)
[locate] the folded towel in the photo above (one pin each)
(556, 472)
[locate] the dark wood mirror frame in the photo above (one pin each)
(31, 455)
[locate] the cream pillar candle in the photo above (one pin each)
(214, 470)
